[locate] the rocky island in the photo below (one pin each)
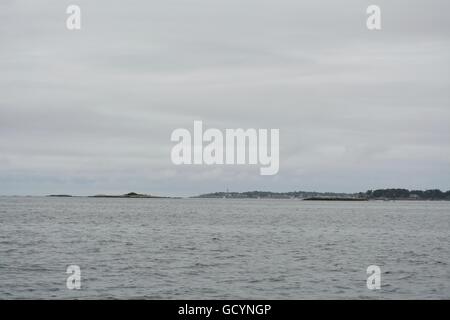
(128, 195)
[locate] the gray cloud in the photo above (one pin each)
(92, 110)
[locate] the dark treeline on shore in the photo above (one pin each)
(379, 194)
(432, 194)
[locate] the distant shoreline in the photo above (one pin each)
(131, 195)
(318, 199)
(334, 199)
(379, 194)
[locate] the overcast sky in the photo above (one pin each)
(92, 111)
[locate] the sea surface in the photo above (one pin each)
(223, 248)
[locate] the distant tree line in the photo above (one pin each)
(391, 194)
(269, 195)
(432, 194)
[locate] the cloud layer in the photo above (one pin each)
(91, 111)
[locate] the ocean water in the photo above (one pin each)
(222, 248)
